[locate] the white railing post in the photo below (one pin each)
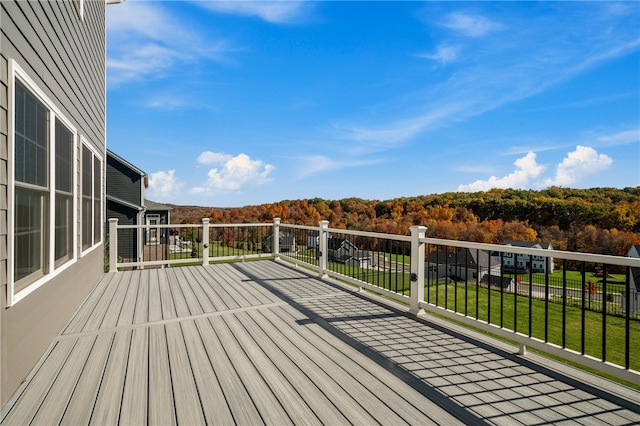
(276, 237)
(113, 245)
(323, 238)
(205, 241)
(417, 268)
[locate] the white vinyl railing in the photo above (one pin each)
(589, 313)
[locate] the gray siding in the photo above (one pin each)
(3, 202)
(124, 183)
(65, 57)
(127, 238)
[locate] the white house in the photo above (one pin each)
(523, 262)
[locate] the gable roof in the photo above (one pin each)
(125, 203)
(113, 156)
(152, 205)
(529, 244)
(471, 257)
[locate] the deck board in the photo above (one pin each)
(52, 410)
(86, 311)
(277, 354)
(81, 403)
(248, 336)
(237, 396)
(270, 409)
(262, 343)
(161, 404)
(185, 392)
(134, 397)
(38, 387)
(141, 312)
(105, 411)
(214, 405)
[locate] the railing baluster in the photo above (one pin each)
(604, 312)
(627, 323)
(396, 257)
(564, 303)
(585, 291)
(546, 300)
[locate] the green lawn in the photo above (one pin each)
(512, 312)
(514, 315)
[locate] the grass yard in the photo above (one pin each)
(516, 310)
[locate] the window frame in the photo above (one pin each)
(79, 6)
(94, 155)
(49, 268)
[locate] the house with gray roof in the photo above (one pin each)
(463, 264)
(522, 262)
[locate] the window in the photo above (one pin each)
(41, 189)
(64, 194)
(31, 186)
(91, 198)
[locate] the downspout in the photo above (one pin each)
(141, 216)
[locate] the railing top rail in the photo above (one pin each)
(163, 226)
(195, 225)
(370, 234)
(568, 255)
(239, 225)
(291, 225)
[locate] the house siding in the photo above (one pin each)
(127, 239)
(65, 58)
(124, 183)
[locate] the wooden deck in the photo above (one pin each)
(262, 343)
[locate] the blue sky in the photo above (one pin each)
(241, 103)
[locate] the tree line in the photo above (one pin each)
(596, 220)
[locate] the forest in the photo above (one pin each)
(595, 220)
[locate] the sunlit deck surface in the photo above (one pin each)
(263, 343)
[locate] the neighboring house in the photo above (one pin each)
(634, 283)
(126, 187)
(343, 251)
(156, 214)
(52, 160)
(464, 265)
(513, 261)
(286, 242)
(634, 251)
(313, 241)
(498, 281)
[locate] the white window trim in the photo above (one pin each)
(16, 72)
(94, 152)
(79, 5)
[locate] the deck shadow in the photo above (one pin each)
(443, 373)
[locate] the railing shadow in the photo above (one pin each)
(473, 380)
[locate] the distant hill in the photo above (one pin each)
(596, 220)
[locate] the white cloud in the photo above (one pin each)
(621, 138)
(209, 157)
(145, 40)
(313, 164)
(235, 173)
(444, 54)
(276, 12)
(164, 185)
(470, 25)
(500, 69)
(396, 132)
(526, 169)
(582, 162)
